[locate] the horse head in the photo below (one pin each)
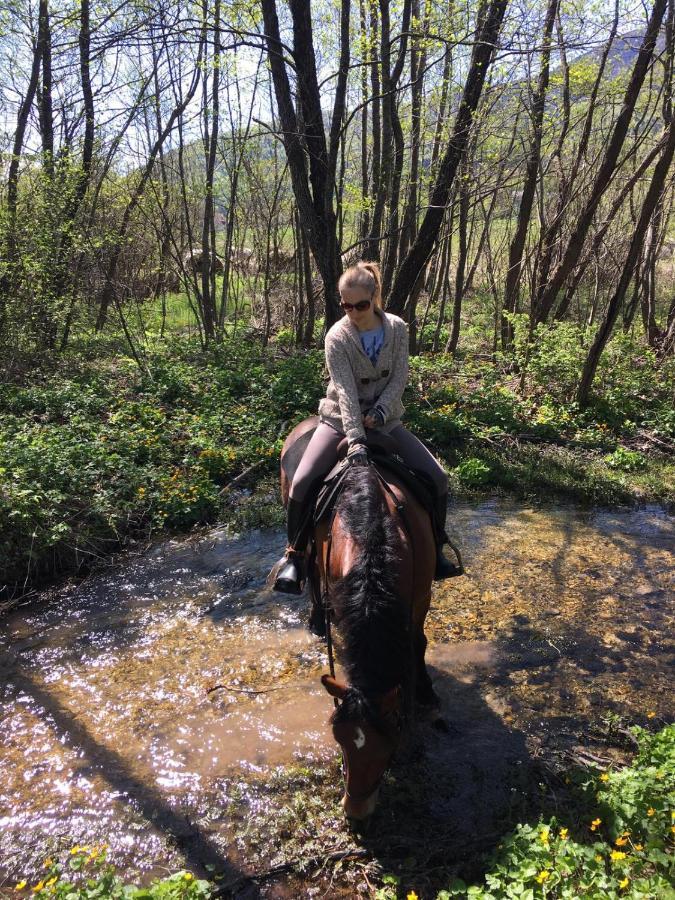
(368, 730)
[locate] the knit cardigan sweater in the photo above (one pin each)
(356, 385)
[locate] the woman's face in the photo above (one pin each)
(350, 297)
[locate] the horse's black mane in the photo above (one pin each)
(374, 629)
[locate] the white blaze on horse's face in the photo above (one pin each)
(360, 739)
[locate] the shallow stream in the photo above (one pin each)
(170, 707)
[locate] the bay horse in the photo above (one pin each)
(372, 566)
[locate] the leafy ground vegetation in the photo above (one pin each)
(96, 451)
(612, 837)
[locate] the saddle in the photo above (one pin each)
(383, 451)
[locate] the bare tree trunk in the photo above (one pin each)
(567, 179)
(445, 94)
(580, 230)
(46, 105)
(654, 193)
(415, 261)
(306, 139)
(364, 224)
(211, 112)
(107, 294)
(418, 61)
(8, 278)
(517, 247)
(592, 251)
(444, 280)
(463, 202)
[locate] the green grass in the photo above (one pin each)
(93, 451)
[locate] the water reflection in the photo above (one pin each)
(153, 707)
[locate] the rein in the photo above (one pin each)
(399, 506)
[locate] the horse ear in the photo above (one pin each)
(391, 700)
(334, 688)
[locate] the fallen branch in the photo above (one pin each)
(229, 687)
(282, 868)
(242, 476)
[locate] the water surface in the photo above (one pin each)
(171, 708)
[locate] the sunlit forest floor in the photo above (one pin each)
(98, 449)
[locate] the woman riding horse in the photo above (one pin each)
(367, 359)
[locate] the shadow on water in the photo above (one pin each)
(196, 847)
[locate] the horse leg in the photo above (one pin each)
(425, 695)
(317, 615)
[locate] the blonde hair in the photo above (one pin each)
(364, 275)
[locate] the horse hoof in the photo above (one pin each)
(442, 725)
(429, 706)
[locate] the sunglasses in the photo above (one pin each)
(360, 306)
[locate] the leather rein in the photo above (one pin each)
(400, 509)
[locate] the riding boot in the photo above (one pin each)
(444, 568)
(291, 575)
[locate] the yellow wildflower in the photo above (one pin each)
(672, 828)
(651, 714)
(595, 823)
(48, 862)
(621, 841)
(188, 876)
(638, 847)
(20, 886)
(624, 883)
(598, 858)
(604, 777)
(543, 836)
(616, 855)
(563, 834)
(51, 881)
(412, 896)
(651, 811)
(38, 887)
(542, 876)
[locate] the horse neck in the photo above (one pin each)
(372, 616)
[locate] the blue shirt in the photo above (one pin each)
(372, 341)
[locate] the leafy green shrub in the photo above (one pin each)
(624, 851)
(297, 386)
(473, 471)
(496, 405)
(89, 458)
(628, 460)
(552, 354)
(86, 875)
(557, 357)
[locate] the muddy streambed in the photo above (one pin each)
(171, 707)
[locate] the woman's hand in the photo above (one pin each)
(374, 418)
(357, 455)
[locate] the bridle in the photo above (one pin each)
(399, 507)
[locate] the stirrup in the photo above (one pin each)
(290, 576)
(445, 568)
